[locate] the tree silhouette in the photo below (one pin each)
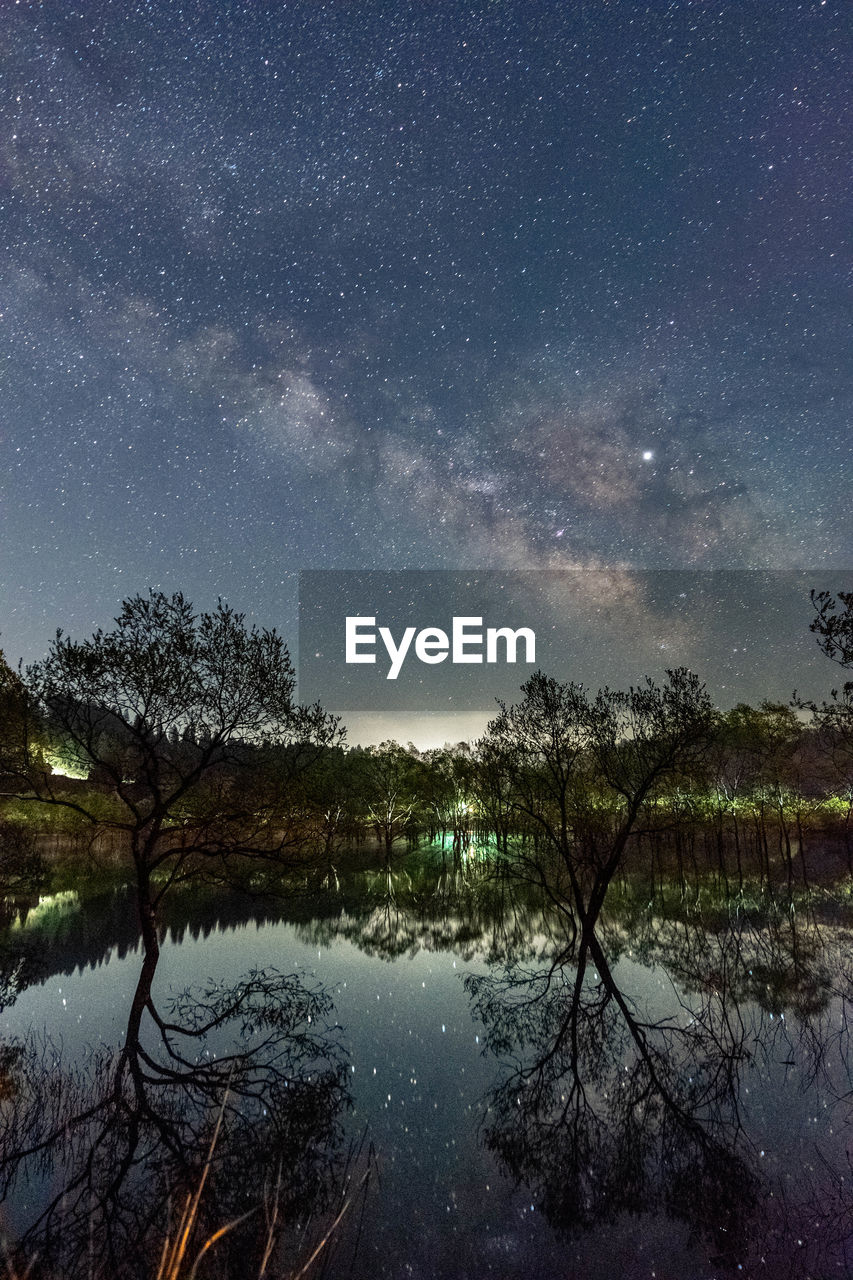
(834, 625)
(187, 728)
(579, 771)
(386, 779)
(833, 719)
(13, 724)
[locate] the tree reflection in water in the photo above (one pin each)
(610, 1103)
(605, 1110)
(454, 904)
(650, 1063)
(113, 1149)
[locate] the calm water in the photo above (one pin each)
(402, 1042)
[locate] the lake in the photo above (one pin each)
(417, 1069)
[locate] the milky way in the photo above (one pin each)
(388, 285)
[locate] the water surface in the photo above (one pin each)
(413, 1043)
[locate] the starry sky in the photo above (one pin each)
(401, 284)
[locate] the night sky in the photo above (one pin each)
(389, 285)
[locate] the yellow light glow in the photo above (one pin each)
(61, 769)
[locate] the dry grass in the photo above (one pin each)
(180, 1259)
(173, 1261)
(173, 1257)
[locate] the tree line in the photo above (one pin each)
(176, 741)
